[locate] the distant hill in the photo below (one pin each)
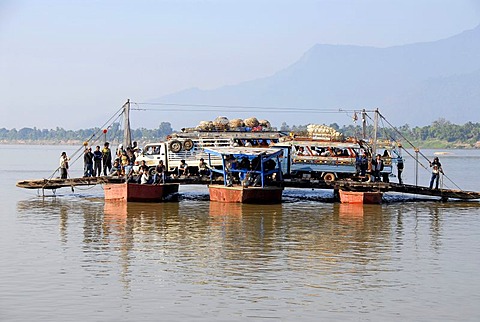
(415, 84)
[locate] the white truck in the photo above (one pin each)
(189, 146)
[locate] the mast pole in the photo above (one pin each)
(364, 124)
(127, 134)
(375, 129)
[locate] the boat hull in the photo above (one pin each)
(360, 197)
(239, 194)
(134, 192)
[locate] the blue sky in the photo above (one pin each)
(72, 64)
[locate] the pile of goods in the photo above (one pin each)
(221, 123)
(324, 132)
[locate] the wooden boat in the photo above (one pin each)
(139, 192)
(246, 181)
(360, 197)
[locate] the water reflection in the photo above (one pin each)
(235, 244)
(42, 211)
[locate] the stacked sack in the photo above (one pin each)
(236, 123)
(251, 122)
(205, 126)
(221, 123)
(324, 132)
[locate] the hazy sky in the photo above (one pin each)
(72, 64)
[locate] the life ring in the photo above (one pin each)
(175, 146)
(188, 144)
(329, 177)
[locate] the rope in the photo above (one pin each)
(233, 108)
(114, 116)
(416, 150)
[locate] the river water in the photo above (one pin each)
(74, 258)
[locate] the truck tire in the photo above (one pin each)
(329, 177)
(151, 171)
(188, 144)
(175, 146)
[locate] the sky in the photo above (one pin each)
(72, 64)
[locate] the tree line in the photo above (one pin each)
(440, 133)
(60, 135)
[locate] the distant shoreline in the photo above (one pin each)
(434, 144)
(40, 142)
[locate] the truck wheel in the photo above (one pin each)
(175, 146)
(151, 171)
(188, 144)
(329, 177)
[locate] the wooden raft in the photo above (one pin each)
(406, 188)
(347, 185)
(71, 182)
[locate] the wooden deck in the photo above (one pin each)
(347, 185)
(406, 188)
(57, 183)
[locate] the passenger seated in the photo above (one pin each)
(203, 169)
(270, 165)
(244, 164)
(183, 169)
(145, 177)
(263, 143)
(230, 165)
(159, 176)
(116, 169)
(326, 153)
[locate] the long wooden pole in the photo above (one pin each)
(127, 134)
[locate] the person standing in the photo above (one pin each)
(88, 162)
(363, 164)
(106, 159)
(436, 170)
(377, 167)
(64, 165)
(97, 161)
(399, 169)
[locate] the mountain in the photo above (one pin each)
(415, 84)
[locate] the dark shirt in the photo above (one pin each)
(377, 165)
(97, 155)
(436, 167)
(88, 157)
(400, 164)
(107, 155)
(160, 168)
